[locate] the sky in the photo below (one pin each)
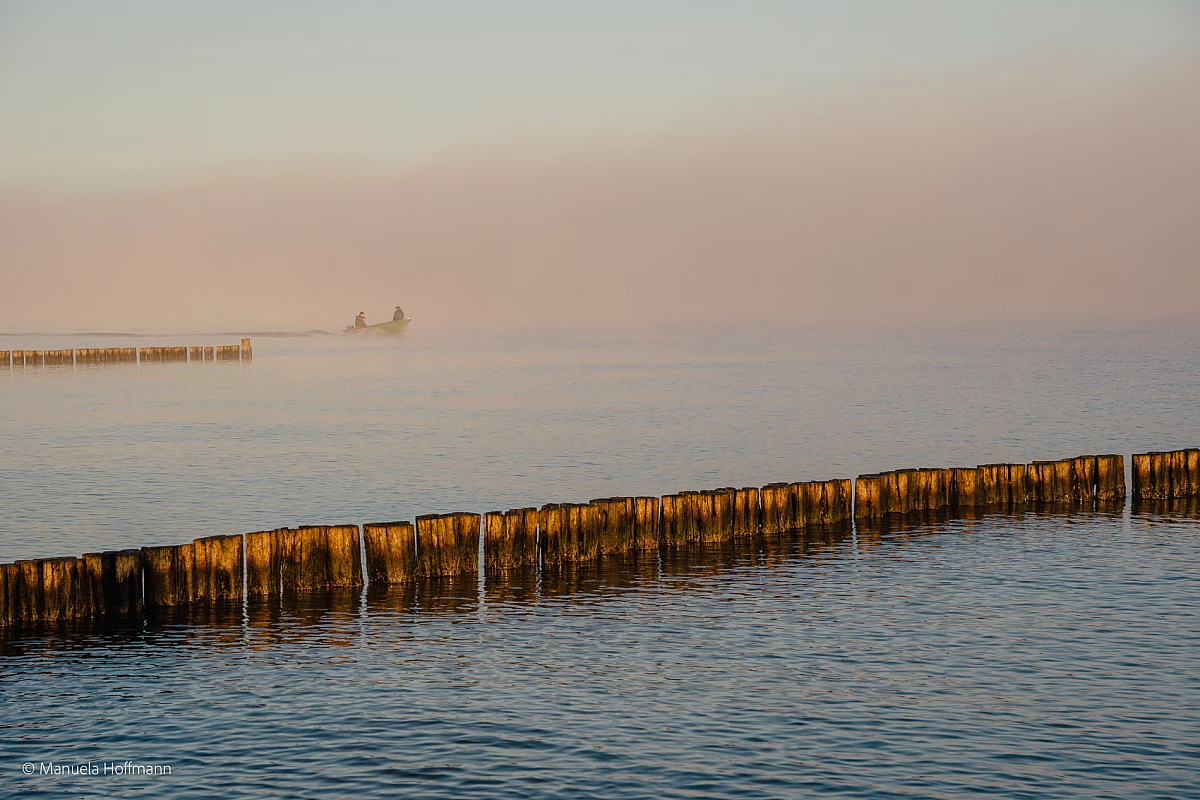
(556, 163)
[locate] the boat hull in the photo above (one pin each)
(392, 328)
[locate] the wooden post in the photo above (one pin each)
(168, 575)
(907, 490)
(5, 359)
(962, 491)
(552, 525)
(1192, 470)
(217, 568)
(28, 595)
(1141, 476)
(714, 523)
(448, 544)
(60, 590)
(319, 557)
(1177, 470)
(1110, 478)
(510, 539)
(867, 497)
(1005, 484)
(1160, 471)
(806, 500)
(1083, 479)
(777, 513)
(209, 354)
(615, 528)
(747, 513)
(33, 358)
(113, 583)
(1041, 482)
(391, 549)
(196, 354)
(678, 524)
(8, 596)
(646, 532)
(582, 542)
(228, 352)
(837, 499)
(262, 563)
(247, 353)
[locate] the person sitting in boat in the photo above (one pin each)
(399, 315)
(361, 320)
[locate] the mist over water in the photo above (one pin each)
(1029, 197)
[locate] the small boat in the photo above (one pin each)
(390, 328)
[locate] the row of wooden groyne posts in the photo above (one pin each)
(125, 584)
(25, 359)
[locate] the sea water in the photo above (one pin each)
(1038, 654)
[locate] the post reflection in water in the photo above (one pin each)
(337, 615)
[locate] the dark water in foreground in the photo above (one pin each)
(1037, 655)
(1029, 656)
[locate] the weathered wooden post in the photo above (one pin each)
(510, 539)
(747, 513)
(246, 353)
(674, 510)
(168, 575)
(1110, 478)
(448, 544)
(1046, 484)
(552, 527)
(391, 550)
(195, 354)
(1151, 477)
(712, 512)
(1005, 484)
(867, 497)
(33, 358)
(228, 352)
(615, 528)
(217, 568)
(778, 516)
(1083, 479)
(60, 590)
(582, 542)
(836, 501)
(646, 532)
(8, 599)
(1192, 470)
(113, 584)
(210, 354)
(318, 557)
(28, 607)
(262, 563)
(5, 359)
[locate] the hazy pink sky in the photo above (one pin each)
(1033, 185)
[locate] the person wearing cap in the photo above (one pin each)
(361, 320)
(399, 315)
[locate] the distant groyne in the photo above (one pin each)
(129, 584)
(35, 359)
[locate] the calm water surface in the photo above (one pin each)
(1035, 655)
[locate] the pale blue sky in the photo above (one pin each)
(109, 95)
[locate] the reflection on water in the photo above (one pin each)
(1007, 655)
(609, 576)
